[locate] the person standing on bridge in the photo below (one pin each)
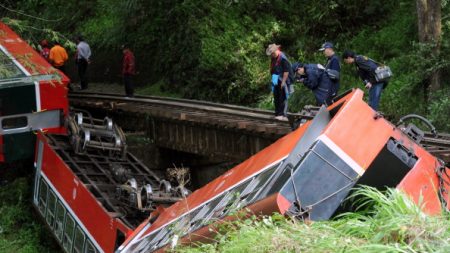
(332, 67)
(82, 59)
(282, 77)
(128, 70)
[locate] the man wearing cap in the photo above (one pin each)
(280, 70)
(366, 69)
(315, 78)
(333, 67)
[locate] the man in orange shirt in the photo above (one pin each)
(58, 57)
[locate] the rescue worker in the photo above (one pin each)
(82, 60)
(333, 67)
(315, 78)
(366, 69)
(128, 70)
(58, 57)
(45, 50)
(280, 71)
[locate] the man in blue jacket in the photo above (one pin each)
(280, 71)
(333, 67)
(315, 78)
(366, 69)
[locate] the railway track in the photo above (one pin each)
(228, 116)
(259, 121)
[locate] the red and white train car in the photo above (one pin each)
(33, 96)
(307, 173)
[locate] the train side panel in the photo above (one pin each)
(86, 224)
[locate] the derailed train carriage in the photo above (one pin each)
(96, 197)
(33, 96)
(307, 173)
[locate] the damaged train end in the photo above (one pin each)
(33, 96)
(307, 173)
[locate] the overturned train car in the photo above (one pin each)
(307, 173)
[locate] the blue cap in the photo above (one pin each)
(326, 45)
(296, 66)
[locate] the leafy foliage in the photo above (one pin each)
(214, 49)
(388, 222)
(20, 230)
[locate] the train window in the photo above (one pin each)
(120, 238)
(165, 239)
(50, 216)
(181, 225)
(78, 242)
(211, 206)
(10, 70)
(89, 247)
(68, 233)
(250, 187)
(198, 217)
(43, 188)
(224, 205)
(262, 179)
(16, 122)
(162, 232)
(59, 224)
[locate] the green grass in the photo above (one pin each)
(388, 222)
(20, 229)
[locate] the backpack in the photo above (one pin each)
(382, 73)
(291, 76)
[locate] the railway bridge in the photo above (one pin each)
(224, 132)
(217, 131)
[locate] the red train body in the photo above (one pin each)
(308, 172)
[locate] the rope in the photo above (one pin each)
(299, 213)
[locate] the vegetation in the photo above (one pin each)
(214, 49)
(20, 228)
(385, 222)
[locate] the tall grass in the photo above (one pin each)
(20, 229)
(383, 222)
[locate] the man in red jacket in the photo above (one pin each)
(128, 70)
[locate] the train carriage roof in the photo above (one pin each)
(21, 65)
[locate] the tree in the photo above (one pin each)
(429, 24)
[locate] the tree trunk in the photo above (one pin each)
(429, 24)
